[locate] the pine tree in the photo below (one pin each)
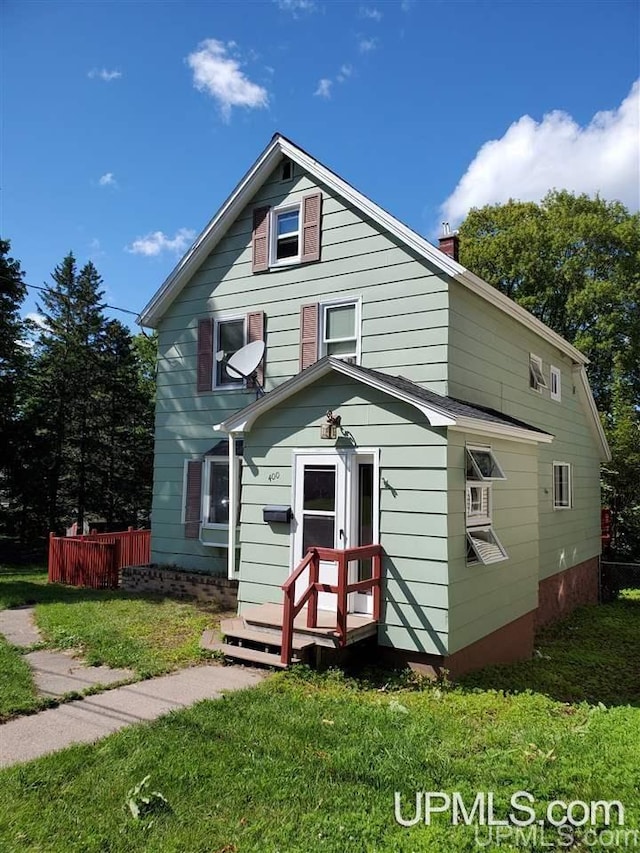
(65, 403)
(13, 362)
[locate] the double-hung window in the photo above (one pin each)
(230, 335)
(482, 468)
(285, 235)
(562, 496)
(340, 330)
(537, 380)
(215, 487)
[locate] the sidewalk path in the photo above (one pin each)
(54, 673)
(87, 720)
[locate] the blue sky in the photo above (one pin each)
(126, 124)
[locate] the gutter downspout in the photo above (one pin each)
(233, 506)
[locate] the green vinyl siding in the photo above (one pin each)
(489, 365)
(413, 460)
(484, 598)
(404, 329)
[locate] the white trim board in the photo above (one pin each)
(242, 421)
(280, 147)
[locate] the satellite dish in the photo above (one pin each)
(244, 362)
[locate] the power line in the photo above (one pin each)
(39, 287)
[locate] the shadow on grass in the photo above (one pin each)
(21, 586)
(592, 656)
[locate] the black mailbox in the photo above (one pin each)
(277, 513)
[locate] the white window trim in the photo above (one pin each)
(334, 303)
(567, 465)
(273, 231)
(555, 372)
(480, 478)
(206, 499)
(498, 544)
(538, 378)
(217, 320)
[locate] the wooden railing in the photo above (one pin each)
(95, 560)
(342, 589)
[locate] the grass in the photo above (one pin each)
(17, 690)
(310, 762)
(148, 634)
(592, 656)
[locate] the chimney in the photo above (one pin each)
(449, 242)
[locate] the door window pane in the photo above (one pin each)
(320, 488)
(365, 515)
(318, 530)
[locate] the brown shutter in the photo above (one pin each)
(260, 239)
(193, 500)
(255, 332)
(308, 335)
(311, 219)
(205, 355)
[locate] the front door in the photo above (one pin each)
(321, 516)
(336, 506)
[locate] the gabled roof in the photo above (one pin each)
(280, 147)
(437, 409)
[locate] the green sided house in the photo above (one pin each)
(415, 460)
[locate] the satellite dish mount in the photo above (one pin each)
(243, 364)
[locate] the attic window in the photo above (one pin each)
(536, 376)
(285, 247)
(483, 465)
(287, 170)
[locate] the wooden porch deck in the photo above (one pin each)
(270, 618)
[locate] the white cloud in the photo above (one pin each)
(108, 180)
(367, 45)
(296, 7)
(345, 72)
(371, 13)
(324, 88)
(557, 153)
(219, 75)
(104, 74)
(38, 320)
(405, 5)
(157, 241)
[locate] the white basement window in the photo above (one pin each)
(555, 378)
(483, 465)
(483, 546)
(536, 376)
(562, 485)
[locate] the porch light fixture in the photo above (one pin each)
(330, 429)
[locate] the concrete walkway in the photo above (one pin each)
(88, 720)
(95, 717)
(54, 673)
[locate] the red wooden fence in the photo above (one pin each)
(95, 560)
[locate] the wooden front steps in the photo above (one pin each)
(255, 637)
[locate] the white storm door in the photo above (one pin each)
(321, 516)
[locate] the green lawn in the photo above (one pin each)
(148, 634)
(310, 762)
(17, 691)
